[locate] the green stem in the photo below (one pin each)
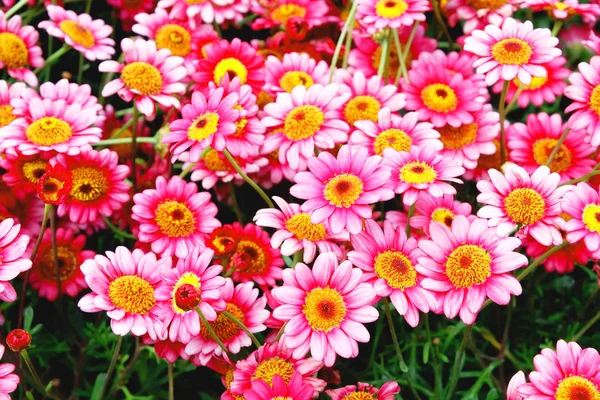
(502, 112)
(120, 232)
(248, 180)
(55, 251)
(280, 333)
(14, 9)
(385, 52)
(297, 257)
(80, 70)
(134, 142)
(440, 20)
(187, 170)
(348, 45)
(171, 382)
(36, 377)
(513, 101)
(243, 327)
(123, 112)
(401, 70)
(122, 129)
(53, 58)
(557, 146)
(540, 260)
(211, 332)
(88, 6)
(235, 205)
(437, 368)
(111, 142)
(458, 363)
(340, 42)
(556, 28)
(403, 366)
(111, 367)
(406, 52)
(587, 326)
(411, 212)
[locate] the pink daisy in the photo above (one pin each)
(129, 9)
(325, 308)
(174, 217)
(274, 359)
(217, 11)
(98, 187)
(295, 232)
(582, 204)
(531, 145)
(192, 283)
(476, 14)
(13, 245)
(166, 349)
(205, 123)
(442, 97)
(48, 125)
(585, 93)
(593, 42)
(19, 50)
(296, 389)
(243, 303)
(275, 14)
(9, 92)
(305, 119)
(421, 170)
(388, 259)
(468, 263)
(565, 9)
(23, 172)
(570, 372)
(388, 391)
(515, 50)
(340, 190)
(375, 15)
(295, 69)
(70, 257)
(391, 130)
(147, 75)
(8, 380)
(541, 90)
(429, 209)
(214, 168)
(369, 96)
(531, 203)
(513, 386)
(89, 37)
(123, 284)
(562, 261)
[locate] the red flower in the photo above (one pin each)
(18, 340)
(55, 184)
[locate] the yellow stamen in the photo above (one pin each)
(132, 293)
(512, 51)
(486, 4)
(271, 367)
(291, 79)
(577, 387)
(188, 278)
(397, 270)
(301, 226)
(536, 82)
(175, 219)
(443, 215)
(439, 97)
(175, 38)
(468, 265)
(324, 309)
(284, 12)
(362, 108)
(390, 8)
(525, 206)
(13, 51)
(89, 184)
(143, 77)
(457, 138)
(48, 131)
(67, 263)
(256, 256)
(224, 328)
(78, 33)
(591, 217)
(343, 190)
(417, 172)
(303, 122)
(595, 100)
(33, 170)
(543, 148)
(203, 126)
(6, 115)
(232, 67)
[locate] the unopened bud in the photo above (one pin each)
(18, 340)
(187, 297)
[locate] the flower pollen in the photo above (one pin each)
(468, 265)
(591, 217)
(6, 115)
(439, 97)
(512, 51)
(284, 12)
(232, 67)
(390, 8)
(525, 206)
(203, 126)
(13, 51)
(417, 172)
(443, 215)
(142, 77)
(324, 309)
(594, 99)
(359, 396)
(301, 226)
(457, 138)
(78, 33)
(249, 257)
(343, 190)
(486, 4)
(303, 122)
(392, 138)
(224, 328)
(536, 82)
(132, 293)
(175, 38)
(362, 108)
(577, 387)
(89, 184)
(291, 79)
(396, 269)
(48, 131)
(271, 367)
(542, 150)
(175, 219)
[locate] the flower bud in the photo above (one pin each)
(55, 184)
(187, 297)
(18, 340)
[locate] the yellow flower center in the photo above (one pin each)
(488, 161)
(486, 4)
(203, 126)
(301, 226)
(78, 33)
(591, 217)
(232, 67)
(390, 8)
(48, 131)
(439, 97)
(6, 115)
(284, 12)
(132, 293)
(525, 206)
(67, 263)
(188, 278)
(577, 388)
(468, 265)
(359, 396)
(240, 124)
(292, 79)
(343, 190)
(143, 77)
(175, 219)
(443, 215)
(594, 99)
(175, 38)
(536, 82)
(33, 170)
(224, 328)
(123, 150)
(362, 108)
(271, 367)
(416, 172)
(512, 51)
(89, 184)
(393, 138)
(13, 51)
(214, 162)
(324, 309)
(196, 1)
(303, 122)
(396, 269)
(542, 150)
(457, 138)
(254, 255)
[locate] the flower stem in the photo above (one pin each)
(35, 376)
(248, 180)
(88, 6)
(14, 9)
(502, 112)
(440, 20)
(401, 67)
(280, 333)
(171, 382)
(55, 250)
(80, 70)
(540, 260)
(513, 101)
(404, 58)
(583, 178)
(111, 142)
(297, 257)
(385, 52)
(403, 366)
(458, 363)
(340, 42)
(53, 58)
(587, 326)
(556, 28)
(411, 212)
(437, 367)
(243, 327)
(211, 331)
(134, 117)
(120, 232)
(557, 146)
(234, 203)
(111, 367)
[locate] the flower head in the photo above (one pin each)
(296, 389)
(274, 14)
(582, 204)
(388, 391)
(55, 184)
(293, 70)
(18, 340)
(429, 209)
(585, 93)
(375, 15)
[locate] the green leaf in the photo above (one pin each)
(426, 352)
(27, 318)
(98, 385)
(483, 377)
(29, 396)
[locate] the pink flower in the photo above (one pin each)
(303, 120)
(514, 50)
(214, 168)
(174, 217)
(585, 93)
(562, 261)
(513, 386)
(593, 42)
(205, 122)
(340, 190)
(565, 9)
(517, 199)
(325, 309)
(217, 11)
(12, 248)
(478, 14)
(421, 170)
(296, 389)
(192, 283)
(123, 284)
(293, 70)
(375, 15)
(8, 380)
(429, 209)
(89, 37)
(388, 260)
(388, 391)
(295, 232)
(468, 263)
(19, 50)
(567, 373)
(314, 12)
(147, 75)
(582, 203)
(7, 94)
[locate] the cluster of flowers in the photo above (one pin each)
(401, 119)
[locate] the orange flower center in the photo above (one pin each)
(78, 33)
(439, 97)
(443, 215)
(13, 51)
(203, 126)
(175, 38)
(89, 184)
(324, 309)
(397, 270)
(271, 367)
(595, 100)
(142, 77)
(591, 217)
(417, 172)
(301, 226)
(486, 4)
(48, 131)
(67, 263)
(542, 150)
(362, 108)
(249, 257)
(33, 170)
(303, 122)
(343, 190)
(577, 388)
(231, 67)
(132, 293)
(291, 79)
(6, 115)
(525, 206)
(284, 12)
(175, 219)
(457, 138)
(468, 265)
(224, 328)
(390, 8)
(512, 51)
